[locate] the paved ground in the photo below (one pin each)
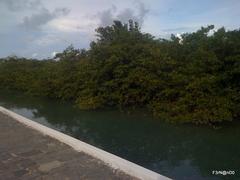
(27, 154)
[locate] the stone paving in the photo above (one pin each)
(27, 154)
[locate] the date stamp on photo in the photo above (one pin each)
(223, 172)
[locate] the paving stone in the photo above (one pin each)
(20, 173)
(26, 154)
(26, 163)
(30, 153)
(49, 166)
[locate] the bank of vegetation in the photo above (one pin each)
(195, 78)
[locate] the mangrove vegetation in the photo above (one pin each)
(194, 78)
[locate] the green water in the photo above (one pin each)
(177, 151)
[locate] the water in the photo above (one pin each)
(176, 151)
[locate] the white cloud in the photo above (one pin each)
(54, 53)
(179, 36)
(72, 25)
(41, 18)
(138, 13)
(20, 5)
(50, 39)
(34, 55)
(51, 26)
(212, 31)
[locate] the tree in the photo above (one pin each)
(195, 80)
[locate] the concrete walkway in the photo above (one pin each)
(28, 154)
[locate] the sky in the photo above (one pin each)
(41, 28)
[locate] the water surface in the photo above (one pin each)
(177, 151)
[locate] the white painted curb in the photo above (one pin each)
(108, 158)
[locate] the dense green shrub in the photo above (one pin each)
(194, 79)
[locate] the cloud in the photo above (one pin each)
(37, 26)
(107, 16)
(143, 11)
(50, 39)
(34, 55)
(36, 21)
(70, 25)
(54, 53)
(19, 5)
(126, 14)
(179, 36)
(177, 29)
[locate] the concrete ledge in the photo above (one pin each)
(110, 159)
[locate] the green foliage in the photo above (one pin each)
(195, 79)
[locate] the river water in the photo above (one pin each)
(176, 151)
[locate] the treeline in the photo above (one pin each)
(195, 78)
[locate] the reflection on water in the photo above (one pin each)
(177, 151)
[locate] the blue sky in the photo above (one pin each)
(39, 28)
